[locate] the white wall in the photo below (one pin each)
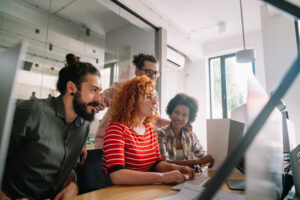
(197, 87)
(280, 50)
(172, 83)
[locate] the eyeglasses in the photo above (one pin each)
(150, 73)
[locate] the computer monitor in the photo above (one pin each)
(10, 62)
(235, 135)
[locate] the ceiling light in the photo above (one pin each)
(245, 55)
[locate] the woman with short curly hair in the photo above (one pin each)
(131, 151)
(124, 107)
(177, 144)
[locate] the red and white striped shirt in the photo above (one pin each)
(124, 148)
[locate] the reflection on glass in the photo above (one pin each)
(236, 83)
(92, 30)
(216, 89)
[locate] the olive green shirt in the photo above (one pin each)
(43, 149)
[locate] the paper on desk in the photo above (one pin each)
(190, 192)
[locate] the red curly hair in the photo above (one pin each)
(124, 107)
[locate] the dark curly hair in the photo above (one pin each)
(139, 60)
(124, 107)
(183, 99)
(75, 73)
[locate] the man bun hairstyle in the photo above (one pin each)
(139, 60)
(71, 59)
(75, 73)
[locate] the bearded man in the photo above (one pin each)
(48, 135)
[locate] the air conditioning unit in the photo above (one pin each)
(175, 59)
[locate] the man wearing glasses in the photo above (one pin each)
(145, 65)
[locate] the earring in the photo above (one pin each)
(72, 94)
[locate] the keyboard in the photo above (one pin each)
(200, 181)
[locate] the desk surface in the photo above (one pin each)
(144, 192)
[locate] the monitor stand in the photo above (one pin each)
(236, 184)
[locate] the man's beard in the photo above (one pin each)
(81, 108)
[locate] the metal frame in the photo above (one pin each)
(135, 14)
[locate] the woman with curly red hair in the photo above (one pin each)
(131, 150)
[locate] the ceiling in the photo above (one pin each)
(190, 24)
(87, 13)
(200, 18)
(65, 29)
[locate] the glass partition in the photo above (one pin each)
(92, 30)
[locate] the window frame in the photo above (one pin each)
(223, 83)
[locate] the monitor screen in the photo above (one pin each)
(238, 114)
(235, 135)
(10, 62)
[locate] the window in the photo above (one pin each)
(228, 84)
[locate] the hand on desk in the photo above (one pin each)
(187, 170)
(207, 159)
(173, 177)
(177, 176)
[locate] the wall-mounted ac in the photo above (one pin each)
(175, 59)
